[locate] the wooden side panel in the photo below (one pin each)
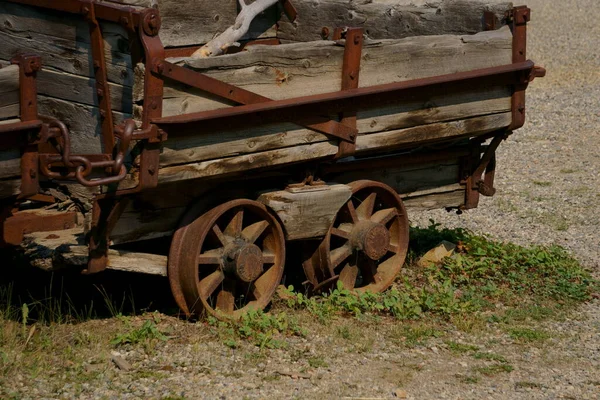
(383, 19)
(9, 87)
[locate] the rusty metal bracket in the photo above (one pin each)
(88, 10)
(15, 224)
(29, 65)
(518, 18)
(489, 21)
(474, 183)
(350, 77)
(289, 10)
(245, 97)
(105, 214)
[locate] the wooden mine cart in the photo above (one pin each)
(319, 131)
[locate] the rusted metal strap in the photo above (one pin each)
(289, 10)
(341, 101)
(16, 225)
(125, 15)
(475, 185)
(105, 215)
(100, 74)
(242, 96)
(29, 65)
(519, 17)
(489, 21)
(350, 77)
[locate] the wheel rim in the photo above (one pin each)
(228, 261)
(367, 244)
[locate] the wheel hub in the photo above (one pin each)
(372, 238)
(244, 261)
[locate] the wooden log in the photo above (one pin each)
(385, 141)
(308, 211)
(60, 249)
(298, 69)
(384, 19)
(63, 41)
(9, 85)
(82, 120)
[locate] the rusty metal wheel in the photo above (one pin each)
(367, 244)
(227, 261)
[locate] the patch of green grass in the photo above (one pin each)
(490, 357)
(460, 348)
(482, 274)
(261, 329)
(317, 362)
(495, 369)
(147, 332)
(542, 183)
(528, 335)
(528, 385)
(415, 335)
(568, 171)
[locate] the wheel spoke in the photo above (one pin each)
(211, 257)
(226, 299)
(234, 228)
(268, 258)
(384, 216)
(340, 254)
(263, 283)
(348, 276)
(352, 211)
(340, 233)
(219, 234)
(208, 285)
(253, 232)
(368, 268)
(365, 209)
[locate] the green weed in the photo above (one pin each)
(491, 370)
(528, 335)
(490, 357)
(461, 348)
(147, 332)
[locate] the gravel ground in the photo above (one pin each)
(547, 176)
(548, 192)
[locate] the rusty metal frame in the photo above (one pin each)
(343, 101)
(350, 77)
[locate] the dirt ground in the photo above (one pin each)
(549, 191)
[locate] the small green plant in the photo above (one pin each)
(317, 362)
(542, 183)
(490, 357)
(263, 330)
(528, 335)
(495, 369)
(461, 348)
(415, 335)
(471, 379)
(148, 331)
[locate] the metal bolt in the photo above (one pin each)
(102, 114)
(325, 32)
(356, 39)
(32, 174)
(151, 171)
(100, 92)
(160, 67)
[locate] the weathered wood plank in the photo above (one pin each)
(63, 41)
(55, 250)
(298, 69)
(82, 120)
(10, 187)
(365, 144)
(251, 140)
(80, 89)
(9, 111)
(9, 85)
(453, 199)
(309, 211)
(384, 19)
